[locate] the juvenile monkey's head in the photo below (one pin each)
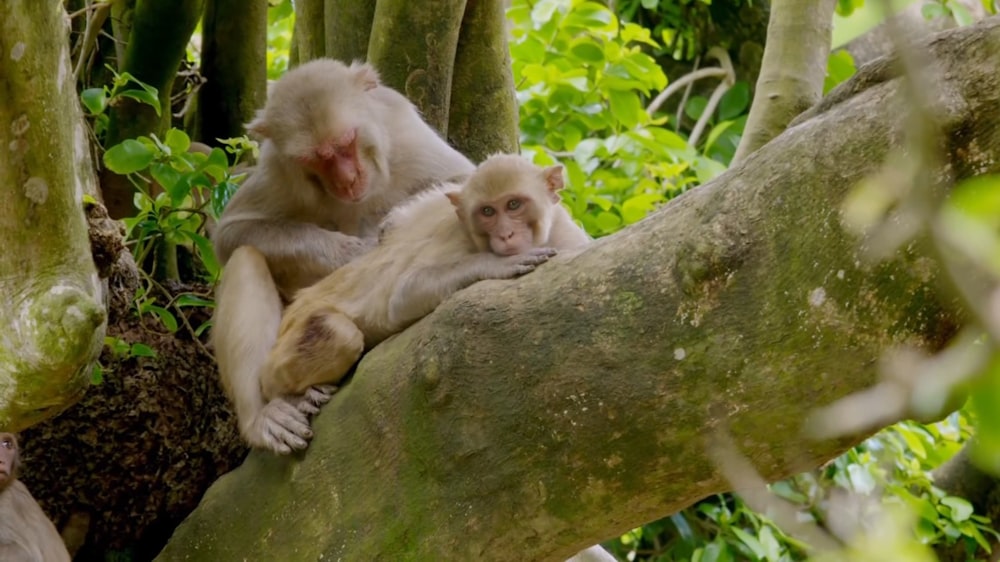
(321, 116)
(507, 204)
(8, 460)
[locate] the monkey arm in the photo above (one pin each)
(420, 291)
(298, 253)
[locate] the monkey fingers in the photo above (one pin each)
(281, 427)
(527, 262)
(314, 397)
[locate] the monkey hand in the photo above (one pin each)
(507, 267)
(280, 426)
(314, 397)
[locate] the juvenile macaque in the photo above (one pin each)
(338, 151)
(503, 222)
(26, 534)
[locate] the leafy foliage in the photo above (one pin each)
(583, 81)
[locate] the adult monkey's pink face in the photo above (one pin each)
(322, 120)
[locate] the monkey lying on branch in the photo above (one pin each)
(504, 221)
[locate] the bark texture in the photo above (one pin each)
(483, 118)
(525, 420)
(234, 64)
(413, 46)
(309, 26)
(50, 298)
(792, 72)
(348, 28)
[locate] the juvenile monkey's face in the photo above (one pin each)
(8, 459)
(507, 224)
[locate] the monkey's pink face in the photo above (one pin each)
(509, 222)
(339, 168)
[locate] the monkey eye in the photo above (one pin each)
(7, 444)
(513, 204)
(488, 211)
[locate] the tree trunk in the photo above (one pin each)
(309, 41)
(234, 63)
(483, 118)
(791, 78)
(413, 46)
(525, 420)
(52, 313)
(348, 28)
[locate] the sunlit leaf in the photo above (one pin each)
(128, 157)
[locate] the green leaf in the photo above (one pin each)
(128, 156)
(207, 253)
(165, 175)
(961, 509)
(735, 101)
(650, 4)
(750, 541)
(608, 222)
(587, 51)
(961, 14)
(94, 99)
(932, 10)
(168, 319)
(217, 164)
(188, 299)
(143, 96)
(772, 547)
(96, 374)
(141, 350)
(839, 67)
(178, 141)
(625, 107)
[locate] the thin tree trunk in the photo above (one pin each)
(234, 63)
(403, 28)
(483, 118)
(349, 28)
(309, 29)
(792, 73)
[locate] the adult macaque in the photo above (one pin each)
(26, 534)
(338, 151)
(504, 221)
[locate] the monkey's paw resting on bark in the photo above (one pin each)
(280, 426)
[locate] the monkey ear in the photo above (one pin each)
(258, 127)
(455, 198)
(554, 180)
(365, 75)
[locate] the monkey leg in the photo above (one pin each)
(318, 348)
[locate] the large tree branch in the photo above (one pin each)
(525, 420)
(50, 298)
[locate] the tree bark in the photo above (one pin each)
(483, 117)
(525, 420)
(234, 63)
(349, 28)
(413, 46)
(309, 26)
(52, 313)
(792, 73)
